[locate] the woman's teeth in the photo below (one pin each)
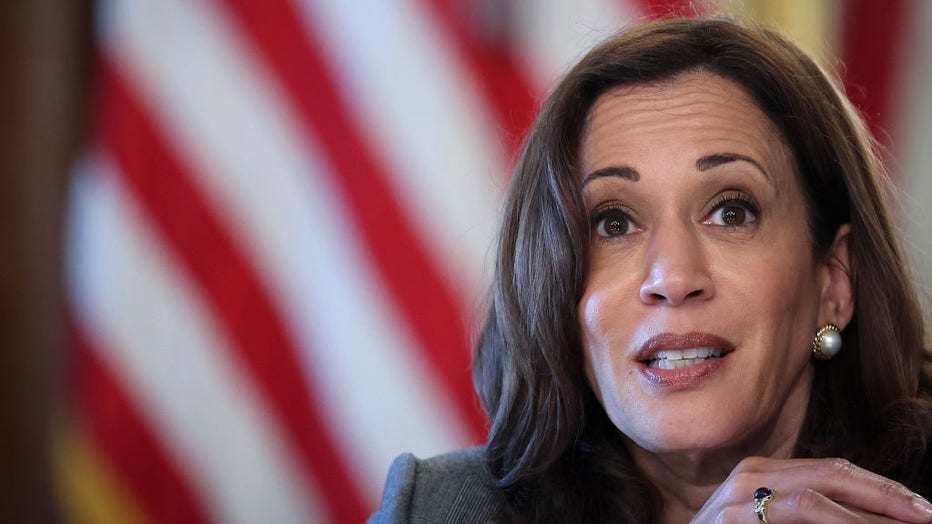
(673, 359)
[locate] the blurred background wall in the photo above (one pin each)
(44, 46)
(257, 276)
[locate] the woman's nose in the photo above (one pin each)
(677, 271)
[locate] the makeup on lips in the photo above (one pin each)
(677, 362)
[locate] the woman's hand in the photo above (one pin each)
(823, 491)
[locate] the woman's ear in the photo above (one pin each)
(837, 278)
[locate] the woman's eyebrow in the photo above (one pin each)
(717, 159)
(626, 172)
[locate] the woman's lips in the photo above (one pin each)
(673, 359)
(678, 362)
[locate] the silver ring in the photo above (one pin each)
(762, 497)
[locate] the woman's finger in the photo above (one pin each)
(843, 482)
(836, 479)
(873, 518)
(807, 505)
(804, 506)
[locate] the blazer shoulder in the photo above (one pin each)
(451, 488)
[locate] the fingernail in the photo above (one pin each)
(922, 505)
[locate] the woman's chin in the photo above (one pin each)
(688, 439)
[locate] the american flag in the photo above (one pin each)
(279, 235)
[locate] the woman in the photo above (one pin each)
(700, 311)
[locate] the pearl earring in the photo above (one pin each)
(827, 342)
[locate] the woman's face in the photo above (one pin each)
(703, 292)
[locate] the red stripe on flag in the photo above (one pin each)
(424, 297)
(872, 52)
(673, 8)
(171, 198)
(125, 439)
(484, 47)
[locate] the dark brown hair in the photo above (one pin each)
(551, 447)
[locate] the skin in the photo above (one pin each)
(721, 248)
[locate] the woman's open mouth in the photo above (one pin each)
(678, 362)
(675, 359)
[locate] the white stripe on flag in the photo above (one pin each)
(555, 34)
(171, 359)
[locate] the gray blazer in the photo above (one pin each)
(451, 488)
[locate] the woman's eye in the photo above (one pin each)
(612, 223)
(732, 214)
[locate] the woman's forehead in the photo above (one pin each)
(686, 98)
(697, 111)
